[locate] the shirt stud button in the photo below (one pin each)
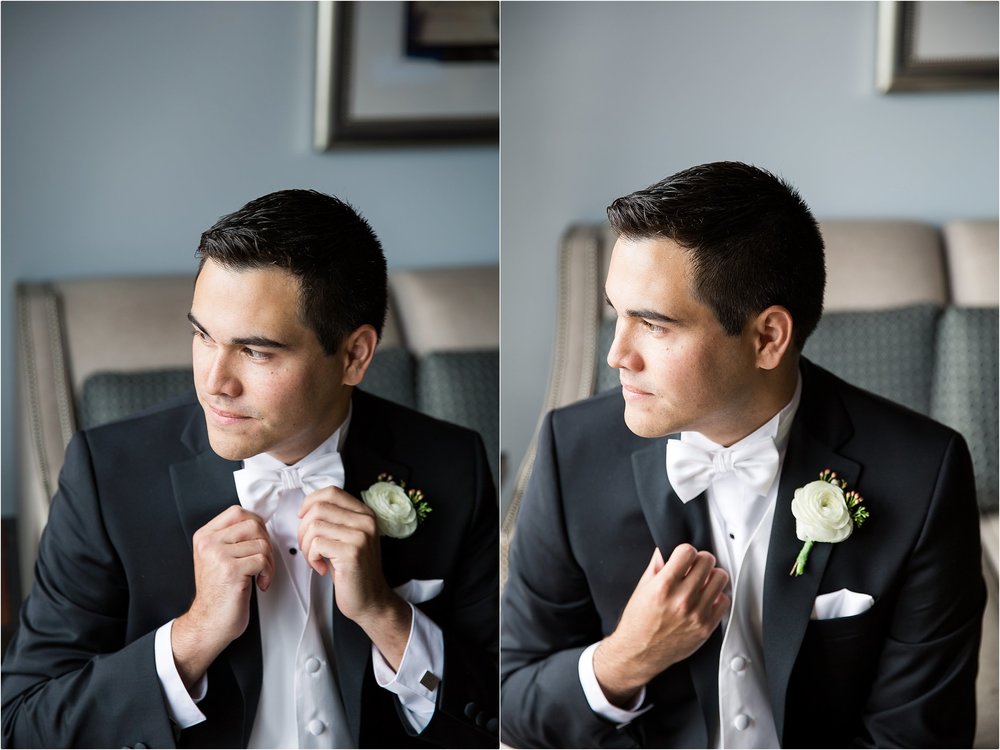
(316, 727)
(312, 665)
(741, 722)
(738, 664)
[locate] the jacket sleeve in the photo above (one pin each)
(468, 698)
(70, 679)
(549, 618)
(924, 690)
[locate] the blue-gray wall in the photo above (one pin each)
(600, 99)
(128, 128)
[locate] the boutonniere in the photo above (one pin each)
(398, 510)
(824, 513)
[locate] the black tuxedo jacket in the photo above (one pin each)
(115, 563)
(900, 674)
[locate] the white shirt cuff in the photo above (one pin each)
(599, 703)
(416, 682)
(180, 703)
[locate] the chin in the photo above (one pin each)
(231, 450)
(644, 427)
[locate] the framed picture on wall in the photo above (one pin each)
(937, 45)
(406, 73)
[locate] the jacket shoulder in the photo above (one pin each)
(162, 423)
(407, 420)
(877, 414)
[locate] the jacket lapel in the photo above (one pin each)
(203, 487)
(367, 453)
(820, 427)
(672, 522)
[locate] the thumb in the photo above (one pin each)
(657, 561)
(655, 564)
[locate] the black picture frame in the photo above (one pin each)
(901, 66)
(339, 123)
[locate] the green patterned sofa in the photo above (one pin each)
(911, 314)
(91, 351)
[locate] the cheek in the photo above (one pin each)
(689, 375)
(286, 395)
(201, 361)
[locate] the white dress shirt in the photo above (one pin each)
(300, 703)
(741, 525)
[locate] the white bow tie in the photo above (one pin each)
(691, 468)
(260, 489)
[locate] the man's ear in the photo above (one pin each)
(772, 331)
(358, 350)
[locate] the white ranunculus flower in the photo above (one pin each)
(821, 513)
(392, 508)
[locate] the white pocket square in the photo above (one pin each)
(417, 591)
(843, 603)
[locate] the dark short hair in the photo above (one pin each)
(751, 239)
(323, 242)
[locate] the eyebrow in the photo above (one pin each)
(646, 314)
(261, 341)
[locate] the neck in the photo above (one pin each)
(338, 417)
(775, 388)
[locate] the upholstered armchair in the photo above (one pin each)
(90, 351)
(911, 314)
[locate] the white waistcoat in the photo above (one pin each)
(299, 707)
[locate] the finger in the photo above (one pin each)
(253, 557)
(231, 515)
(320, 530)
(654, 566)
(248, 528)
(334, 554)
(266, 576)
(679, 563)
(264, 563)
(720, 607)
(327, 515)
(333, 496)
(701, 569)
(717, 581)
(251, 565)
(331, 521)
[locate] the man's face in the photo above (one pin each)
(678, 368)
(262, 377)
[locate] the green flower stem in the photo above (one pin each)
(800, 561)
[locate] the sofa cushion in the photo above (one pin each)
(888, 352)
(607, 376)
(391, 376)
(964, 392)
(973, 262)
(464, 387)
(107, 396)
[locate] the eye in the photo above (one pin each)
(256, 356)
(200, 334)
(652, 327)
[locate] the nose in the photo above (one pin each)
(220, 375)
(622, 354)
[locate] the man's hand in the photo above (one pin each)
(339, 533)
(673, 610)
(229, 551)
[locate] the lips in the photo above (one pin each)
(631, 390)
(223, 417)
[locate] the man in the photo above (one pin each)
(212, 572)
(650, 601)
